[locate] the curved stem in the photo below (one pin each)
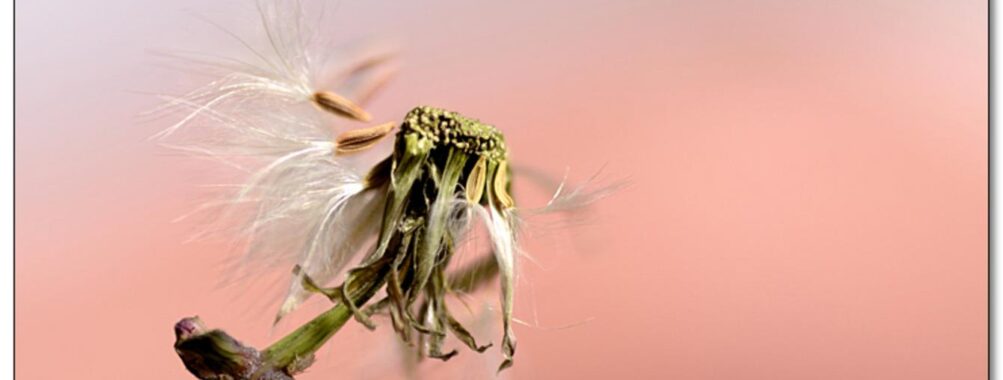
(307, 339)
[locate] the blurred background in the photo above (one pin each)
(808, 197)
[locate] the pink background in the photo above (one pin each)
(808, 197)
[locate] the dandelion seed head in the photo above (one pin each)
(301, 203)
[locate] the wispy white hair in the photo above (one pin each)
(296, 63)
(295, 202)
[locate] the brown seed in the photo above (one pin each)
(358, 140)
(371, 61)
(339, 105)
(501, 187)
(374, 85)
(476, 180)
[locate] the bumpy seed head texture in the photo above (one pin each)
(303, 205)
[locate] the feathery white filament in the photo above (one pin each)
(296, 202)
(580, 196)
(503, 239)
(279, 78)
(350, 221)
(500, 226)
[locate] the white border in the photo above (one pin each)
(7, 193)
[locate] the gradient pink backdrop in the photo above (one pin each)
(808, 198)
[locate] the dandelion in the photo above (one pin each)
(303, 203)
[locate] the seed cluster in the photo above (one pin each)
(450, 128)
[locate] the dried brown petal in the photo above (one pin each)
(340, 105)
(358, 140)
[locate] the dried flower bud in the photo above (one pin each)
(213, 354)
(188, 327)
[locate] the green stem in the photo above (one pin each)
(218, 353)
(307, 339)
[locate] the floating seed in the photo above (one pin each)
(358, 140)
(339, 105)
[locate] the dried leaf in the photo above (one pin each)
(508, 350)
(365, 275)
(437, 337)
(310, 285)
(463, 335)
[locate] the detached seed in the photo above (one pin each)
(358, 140)
(339, 105)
